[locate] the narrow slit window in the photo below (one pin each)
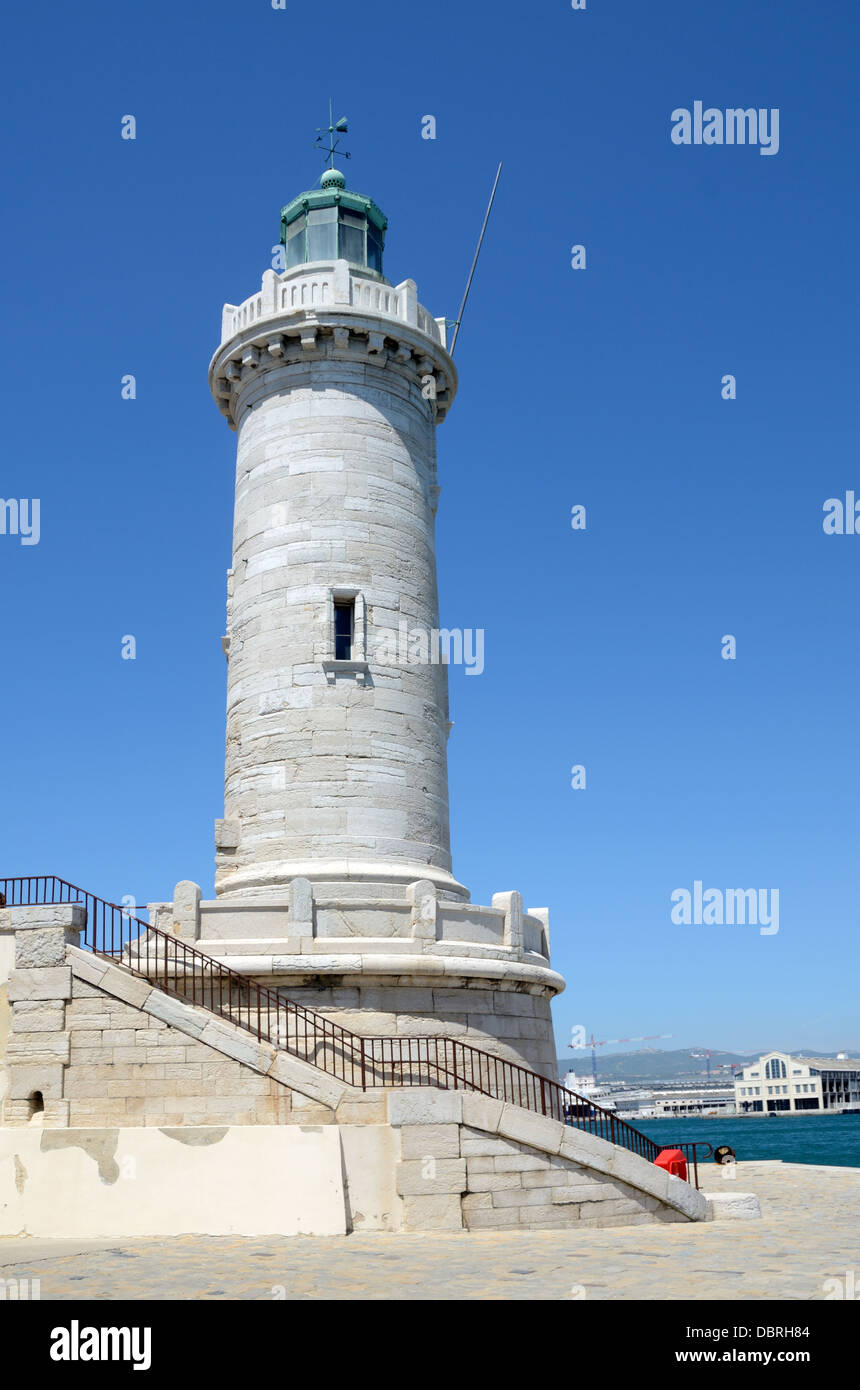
(344, 628)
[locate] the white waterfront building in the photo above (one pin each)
(778, 1082)
(693, 1100)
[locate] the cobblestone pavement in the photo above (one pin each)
(810, 1232)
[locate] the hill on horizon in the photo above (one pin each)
(674, 1065)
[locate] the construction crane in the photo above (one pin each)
(607, 1042)
(705, 1054)
(701, 1056)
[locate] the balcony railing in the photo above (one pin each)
(326, 285)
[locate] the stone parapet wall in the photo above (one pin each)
(340, 915)
(407, 964)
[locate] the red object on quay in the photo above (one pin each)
(674, 1161)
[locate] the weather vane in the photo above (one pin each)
(328, 139)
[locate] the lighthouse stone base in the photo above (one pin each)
(389, 959)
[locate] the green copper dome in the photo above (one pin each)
(333, 223)
(332, 178)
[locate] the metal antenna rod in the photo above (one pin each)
(459, 318)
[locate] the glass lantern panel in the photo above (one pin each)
(352, 244)
(296, 242)
(322, 238)
(374, 250)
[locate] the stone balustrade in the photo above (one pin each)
(341, 925)
(328, 284)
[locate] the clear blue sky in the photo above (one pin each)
(599, 387)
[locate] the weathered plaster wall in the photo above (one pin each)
(84, 1183)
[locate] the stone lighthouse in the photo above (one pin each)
(333, 878)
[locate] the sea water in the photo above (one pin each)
(833, 1140)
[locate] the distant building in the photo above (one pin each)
(693, 1100)
(778, 1082)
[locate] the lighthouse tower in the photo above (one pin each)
(336, 764)
(333, 866)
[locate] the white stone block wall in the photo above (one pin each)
(335, 490)
(509, 1185)
(516, 1026)
(127, 1067)
(88, 1043)
(469, 1161)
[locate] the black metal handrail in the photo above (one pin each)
(191, 974)
(690, 1150)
